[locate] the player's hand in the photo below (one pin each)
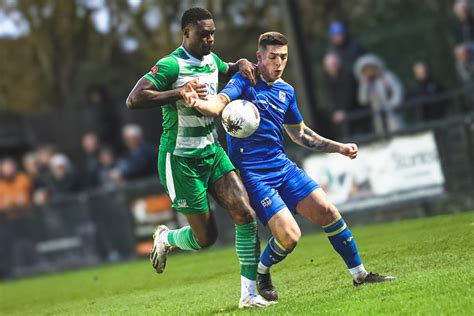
(200, 88)
(350, 150)
(248, 70)
(189, 95)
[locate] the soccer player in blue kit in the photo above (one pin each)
(276, 186)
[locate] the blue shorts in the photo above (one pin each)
(268, 196)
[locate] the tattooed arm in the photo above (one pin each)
(306, 137)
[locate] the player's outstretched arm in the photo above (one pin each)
(213, 106)
(145, 95)
(306, 137)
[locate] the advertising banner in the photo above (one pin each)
(404, 168)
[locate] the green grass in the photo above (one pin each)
(432, 258)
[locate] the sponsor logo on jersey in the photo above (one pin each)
(182, 203)
(266, 202)
(282, 96)
(154, 70)
(231, 81)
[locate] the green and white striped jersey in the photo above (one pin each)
(186, 132)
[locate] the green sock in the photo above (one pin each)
(247, 246)
(183, 238)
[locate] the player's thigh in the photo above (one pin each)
(230, 193)
(185, 181)
(296, 186)
(204, 227)
(227, 189)
(265, 200)
(285, 229)
(317, 208)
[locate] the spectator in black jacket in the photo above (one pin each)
(425, 89)
(347, 48)
(340, 95)
(140, 160)
(62, 180)
(464, 54)
(90, 147)
(464, 31)
(102, 116)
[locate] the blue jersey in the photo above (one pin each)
(262, 152)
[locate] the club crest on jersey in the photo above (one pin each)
(154, 70)
(182, 203)
(266, 202)
(282, 96)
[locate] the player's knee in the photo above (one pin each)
(290, 239)
(242, 213)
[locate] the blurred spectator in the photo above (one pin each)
(107, 163)
(90, 147)
(464, 62)
(140, 160)
(62, 179)
(102, 116)
(382, 91)
(426, 88)
(31, 167)
(464, 31)
(346, 47)
(43, 154)
(15, 187)
(340, 91)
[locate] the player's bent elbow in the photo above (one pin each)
(132, 102)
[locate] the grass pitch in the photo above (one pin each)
(433, 259)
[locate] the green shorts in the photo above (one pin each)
(186, 180)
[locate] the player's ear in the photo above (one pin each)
(259, 55)
(186, 31)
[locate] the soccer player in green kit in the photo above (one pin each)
(191, 162)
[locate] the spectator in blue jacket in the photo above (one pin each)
(140, 161)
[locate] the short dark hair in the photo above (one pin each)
(193, 15)
(271, 38)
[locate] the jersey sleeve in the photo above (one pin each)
(164, 73)
(235, 87)
(293, 116)
(221, 66)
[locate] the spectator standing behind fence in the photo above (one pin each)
(43, 154)
(464, 62)
(344, 45)
(140, 159)
(107, 163)
(340, 95)
(424, 93)
(62, 179)
(464, 31)
(380, 89)
(15, 187)
(90, 148)
(102, 116)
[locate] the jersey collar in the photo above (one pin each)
(192, 57)
(270, 83)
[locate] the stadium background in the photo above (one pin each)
(53, 53)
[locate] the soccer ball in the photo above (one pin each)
(240, 118)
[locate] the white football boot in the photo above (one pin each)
(159, 253)
(254, 301)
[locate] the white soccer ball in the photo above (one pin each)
(240, 118)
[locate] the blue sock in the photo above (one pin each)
(273, 253)
(341, 239)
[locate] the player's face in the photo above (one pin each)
(272, 61)
(200, 37)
